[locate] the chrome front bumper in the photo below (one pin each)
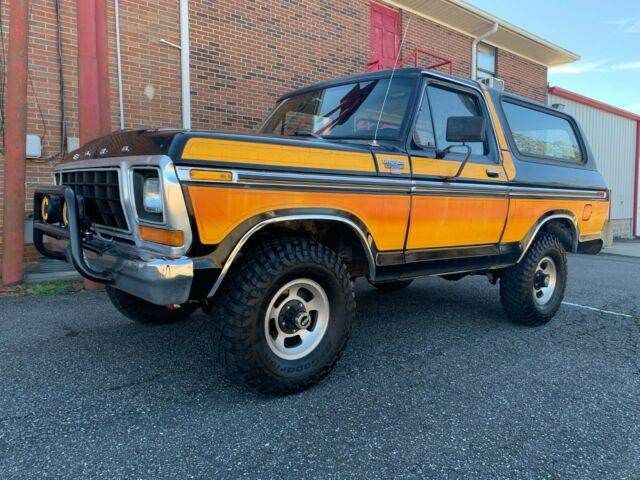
(161, 281)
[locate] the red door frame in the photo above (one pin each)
(377, 44)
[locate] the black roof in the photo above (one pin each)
(367, 76)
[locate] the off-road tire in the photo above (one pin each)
(517, 282)
(392, 286)
(141, 311)
(242, 303)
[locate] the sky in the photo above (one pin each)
(605, 34)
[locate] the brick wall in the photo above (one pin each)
(244, 54)
(522, 76)
(247, 53)
(43, 116)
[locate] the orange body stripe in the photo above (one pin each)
(523, 214)
(448, 168)
(455, 221)
(219, 210)
(260, 154)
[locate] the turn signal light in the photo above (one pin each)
(173, 238)
(586, 213)
(210, 175)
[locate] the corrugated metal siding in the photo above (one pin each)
(613, 141)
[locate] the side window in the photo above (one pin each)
(542, 134)
(447, 103)
(423, 132)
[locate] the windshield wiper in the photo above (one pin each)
(305, 133)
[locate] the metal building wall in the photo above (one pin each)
(613, 141)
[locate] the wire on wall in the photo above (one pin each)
(63, 124)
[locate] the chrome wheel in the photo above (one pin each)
(544, 281)
(297, 319)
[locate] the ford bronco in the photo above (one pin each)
(389, 176)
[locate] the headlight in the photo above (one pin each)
(152, 196)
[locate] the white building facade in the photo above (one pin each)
(614, 137)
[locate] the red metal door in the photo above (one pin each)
(385, 36)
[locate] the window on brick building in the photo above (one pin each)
(486, 61)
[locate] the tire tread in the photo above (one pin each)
(515, 283)
(144, 312)
(239, 299)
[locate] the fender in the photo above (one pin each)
(546, 218)
(364, 239)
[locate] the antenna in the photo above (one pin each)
(386, 94)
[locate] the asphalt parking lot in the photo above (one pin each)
(435, 383)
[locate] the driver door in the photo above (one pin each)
(462, 214)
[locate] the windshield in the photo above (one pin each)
(345, 111)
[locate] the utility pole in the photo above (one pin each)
(15, 144)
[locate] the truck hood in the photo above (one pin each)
(127, 143)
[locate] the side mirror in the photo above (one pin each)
(465, 129)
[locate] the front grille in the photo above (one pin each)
(100, 190)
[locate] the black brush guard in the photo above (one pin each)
(72, 232)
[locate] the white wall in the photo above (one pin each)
(613, 141)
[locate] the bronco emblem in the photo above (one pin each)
(396, 166)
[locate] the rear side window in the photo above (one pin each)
(542, 134)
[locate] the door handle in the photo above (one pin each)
(492, 173)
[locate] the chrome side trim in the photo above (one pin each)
(532, 235)
(540, 192)
(388, 185)
(238, 247)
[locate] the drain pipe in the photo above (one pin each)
(184, 64)
(119, 62)
(15, 148)
(474, 49)
(102, 55)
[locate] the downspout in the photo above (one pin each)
(102, 54)
(15, 147)
(474, 49)
(88, 102)
(184, 64)
(119, 63)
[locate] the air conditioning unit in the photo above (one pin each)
(493, 82)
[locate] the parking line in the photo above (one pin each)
(608, 312)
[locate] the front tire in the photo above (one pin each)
(531, 292)
(144, 312)
(285, 315)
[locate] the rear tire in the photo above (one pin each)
(531, 292)
(284, 315)
(141, 311)
(392, 286)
